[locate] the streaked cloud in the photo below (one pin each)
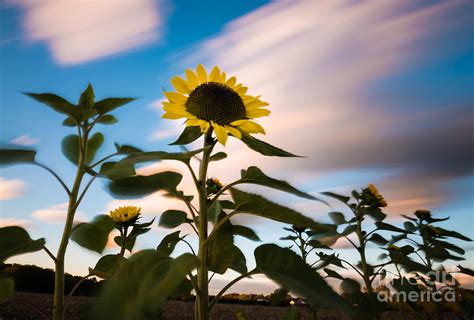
(11, 188)
(318, 64)
(9, 222)
(57, 214)
(80, 31)
(25, 140)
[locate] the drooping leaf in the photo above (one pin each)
(114, 171)
(15, 241)
(254, 175)
(7, 289)
(57, 103)
(189, 134)
(221, 251)
(110, 104)
(333, 274)
(449, 246)
(10, 157)
(168, 243)
(139, 186)
(238, 263)
(107, 119)
(451, 234)
(375, 213)
(218, 156)
(172, 218)
(107, 265)
(385, 226)
(337, 217)
(125, 149)
(264, 148)
(214, 212)
(336, 196)
(257, 205)
(93, 235)
(288, 270)
(378, 239)
(245, 232)
(86, 101)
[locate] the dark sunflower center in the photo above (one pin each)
(216, 102)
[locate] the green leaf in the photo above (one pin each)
(168, 243)
(349, 286)
(449, 246)
(114, 171)
(254, 175)
(70, 147)
(221, 249)
(238, 263)
(467, 271)
(16, 156)
(378, 239)
(264, 148)
(337, 217)
(287, 269)
(15, 241)
(385, 226)
(140, 186)
(218, 156)
(110, 104)
(172, 218)
(107, 265)
(7, 289)
(57, 103)
(336, 196)
(107, 119)
(333, 274)
(86, 101)
(188, 135)
(451, 234)
(292, 313)
(410, 227)
(138, 289)
(257, 205)
(125, 149)
(214, 212)
(245, 232)
(154, 156)
(375, 213)
(93, 235)
(93, 144)
(69, 122)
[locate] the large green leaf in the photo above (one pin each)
(93, 235)
(114, 171)
(385, 226)
(336, 196)
(264, 148)
(451, 234)
(188, 135)
(57, 103)
(15, 156)
(126, 149)
(168, 243)
(16, 240)
(257, 205)
(218, 156)
(70, 147)
(154, 156)
(254, 175)
(337, 217)
(139, 186)
(86, 101)
(239, 263)
(107, 265)
(172, 218)
(245, 232)
(93, 144)
(221, 251)
(110, 104)
(7, 289)
(287, 269)
(138, 289)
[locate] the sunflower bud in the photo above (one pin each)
(213, 185)
(125, 215)
(372, 197)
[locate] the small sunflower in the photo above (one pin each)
(423, 214)
(213, 185)
(212, 100)
(379, 199)
(125, 214)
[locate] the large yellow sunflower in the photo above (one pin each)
(207, 100)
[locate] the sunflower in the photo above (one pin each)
(212, 100)
(125, 214)
(375, 194)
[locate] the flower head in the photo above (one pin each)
(212, 100)
(375, 198)
(423, 214)
(213, 185)
(125, 214)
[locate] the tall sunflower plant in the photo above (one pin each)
(214, 108)
(80, 149)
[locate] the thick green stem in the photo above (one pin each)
(58, 308)
(202, 299)
(363, 259)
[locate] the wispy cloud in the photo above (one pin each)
(11, 188)
(81, 31)
(57, 214)
(25, 140)
(9, 222)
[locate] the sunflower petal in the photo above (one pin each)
(221, 133)
(257, 113)
(215, 75)
(248, 126)
(255, 104)
(180, 85)
(171, 116)
(201, 73)
(192, 122)
(204, 125)
(236, 133)
(192, 78)
(176, 97)
(231, 82)
(223, 77)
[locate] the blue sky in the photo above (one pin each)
(369, 92)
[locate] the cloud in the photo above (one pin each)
(57, 214)
(25, 140)
(318, 64)
(9, 222)
(10, 189)
(81, 31)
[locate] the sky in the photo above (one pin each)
(370, 92)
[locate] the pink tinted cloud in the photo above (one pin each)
(57, 214)
(81, 31)
(11, 188)
(9, 222)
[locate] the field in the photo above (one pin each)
(37, 306)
